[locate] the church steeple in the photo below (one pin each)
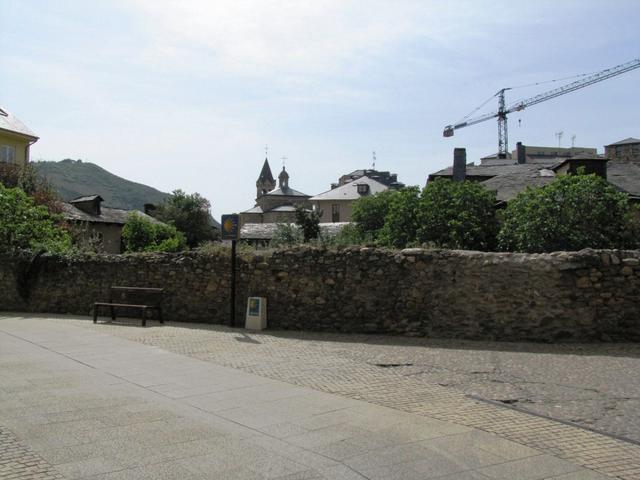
(265, 182)
(283, 179)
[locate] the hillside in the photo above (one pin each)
(75, 178)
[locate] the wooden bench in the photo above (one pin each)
(140, 298)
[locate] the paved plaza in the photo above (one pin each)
(113, 401)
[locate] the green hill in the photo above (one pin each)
(75, 178)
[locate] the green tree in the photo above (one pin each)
(27, 226)
(570, 213)
(369, 213)
(142, 235)
(190, 214)
(401, 220)
(457, 215)
(309, 222)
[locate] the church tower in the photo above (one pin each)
(283, 179)
(265, 182)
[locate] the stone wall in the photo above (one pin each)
(586, 295)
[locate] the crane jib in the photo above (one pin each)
(542, 97)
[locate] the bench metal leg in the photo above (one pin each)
(113, 311)
(144, 316)
(95, 314)
(160, 315)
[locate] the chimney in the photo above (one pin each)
(521, 153)
(459, 164)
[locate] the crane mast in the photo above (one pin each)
(504, 110)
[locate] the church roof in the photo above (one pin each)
(286, 192)
(265, 173)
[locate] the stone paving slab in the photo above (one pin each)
(92, 405)
(417, 376)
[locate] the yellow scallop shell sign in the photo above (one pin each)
(230, 227)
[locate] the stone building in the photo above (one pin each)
(274, 205)
(97, 223)
(627, 150)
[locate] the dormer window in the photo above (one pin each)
(363, 188)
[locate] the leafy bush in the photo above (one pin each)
(570, 213)
(457, 215)
(36, 186)
(348, 235)
(142, 235)
(369, 213)
(286, 234)
(27, 226)
(401, 220)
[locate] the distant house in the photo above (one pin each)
(335, 205)
(102, 223)
(274, 205)
(15, 140)
(508, 177)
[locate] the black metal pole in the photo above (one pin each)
(233, 284)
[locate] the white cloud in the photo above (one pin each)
(289, 38)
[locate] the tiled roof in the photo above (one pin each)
(107, 215)
(87, 198)
(626, 141)
(286, 192)
(349, 191)
(509, 185)
(265, 173)
(12, 124)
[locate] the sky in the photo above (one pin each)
(187, 93)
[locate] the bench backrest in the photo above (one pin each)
(136, 295)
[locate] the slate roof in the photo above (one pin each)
(286, 192)
(265, 173)
(10, 123)
(256, 209)
(490, 171)
(266, 231)
(626, 141)
(107, 215)
(349, 191)
(87, 198)
(625, 176)
(284, 208)
(507, 186)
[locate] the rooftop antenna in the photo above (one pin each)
(373, 165)
(284, 159)
(573, 140)
(266, 150)
(559, 135)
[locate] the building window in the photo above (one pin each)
(363, 188)
(335, 212)
(7, 154)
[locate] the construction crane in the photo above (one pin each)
(504, 110)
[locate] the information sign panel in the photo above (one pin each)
(230, 227)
